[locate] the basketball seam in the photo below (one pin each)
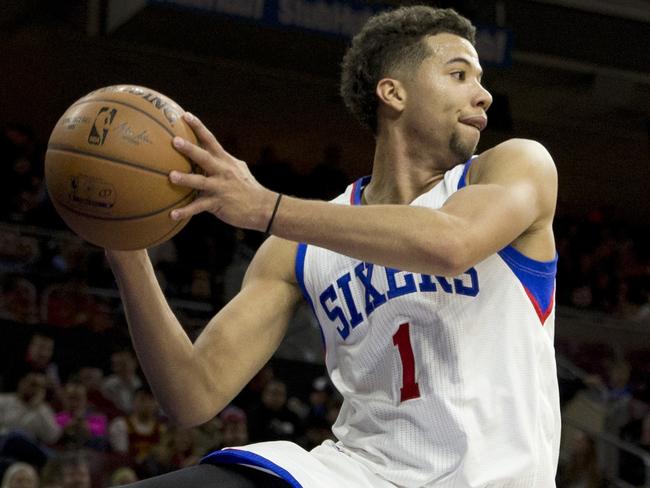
(135, 217)
(108, 100)
(74, 150)
(165, 237)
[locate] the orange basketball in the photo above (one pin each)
(107, 166)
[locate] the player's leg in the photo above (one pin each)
(211, 476)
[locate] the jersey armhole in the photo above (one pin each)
(536, 277)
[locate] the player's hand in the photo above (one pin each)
(227, 188)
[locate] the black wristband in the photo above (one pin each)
(275, 210)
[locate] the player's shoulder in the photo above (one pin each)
(524, 157)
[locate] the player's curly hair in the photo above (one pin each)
(388, 42)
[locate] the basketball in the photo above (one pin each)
(107, 165)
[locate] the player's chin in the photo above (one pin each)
(464, 145)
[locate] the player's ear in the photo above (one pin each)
(391, 94)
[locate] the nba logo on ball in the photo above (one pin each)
(105, 118)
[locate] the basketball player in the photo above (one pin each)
(432, 281)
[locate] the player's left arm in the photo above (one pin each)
(512, 193)
(510, 199)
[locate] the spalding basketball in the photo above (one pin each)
(107, 166)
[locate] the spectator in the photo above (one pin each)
(250, 398)
(38, 358)
(20, 475)
(181, 447)
(317, 425)
(234, 427)
(136, 434)
(618, 396)
(81, 426)
(604, 266)
(18, 300)
(92, 378)
(68, 304)
(319, 397)
(207, 436)
(18, 252)
(75, 470)
(273, 420)
(176, 449)
(121, 385)
(618, 383)
(27, 411)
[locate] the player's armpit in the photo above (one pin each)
(510, 199)
(243, 336)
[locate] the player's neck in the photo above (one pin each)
(399, 174)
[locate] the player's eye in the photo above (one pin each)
(459, 75)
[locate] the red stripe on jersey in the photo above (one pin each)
(542, 314)
(354, 191)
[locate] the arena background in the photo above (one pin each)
(263, 75)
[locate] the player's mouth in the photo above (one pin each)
(477, 121)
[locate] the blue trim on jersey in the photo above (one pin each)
(538, 277)
(301, 252)
(356, 190)
(300, 269)
(462, 183)
(237, 456)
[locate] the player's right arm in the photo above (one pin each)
(194, 381)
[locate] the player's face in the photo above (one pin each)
(445, 102)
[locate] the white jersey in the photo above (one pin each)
(446, 381)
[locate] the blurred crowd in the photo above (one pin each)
(91, 428)
(77, 412)
(604, 265)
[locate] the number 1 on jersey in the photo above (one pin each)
(402, 339)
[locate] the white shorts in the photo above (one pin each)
(323, 467)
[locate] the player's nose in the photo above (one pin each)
(482, 98)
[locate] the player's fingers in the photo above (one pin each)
(200, 156)
(204, 136)
(190, 180)
(197, 206)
